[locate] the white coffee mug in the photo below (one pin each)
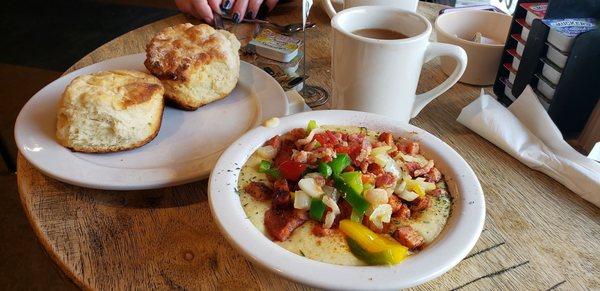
(409, 5)
(381, 76)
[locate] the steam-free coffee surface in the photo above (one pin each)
(379, 33)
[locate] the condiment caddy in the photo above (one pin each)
(553, 47)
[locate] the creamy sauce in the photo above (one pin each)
(333, 249)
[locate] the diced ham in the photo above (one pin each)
(311, 145)
(357, 138)
(259, 191)
(297, 133)
(282, 200)
(345, 212)
(403, 212)
(275, 142)
(281, 185)
(300, 156)
(364, 167)
(412, 148)
(284, 153)
(437, 192)
(395, 202)
(419, 204)
(368, 178)
(282, 197)
(385, 180)
(434, 175)
(319, 180)
(368, 223)
(281, 223)
(375, 169)
(320, 231)
(424, 170)
(412, 167)
(349, 169)
(364, 152)
(386, 137)
(408, 237)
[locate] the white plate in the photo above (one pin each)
(185, 149)
(452, 245)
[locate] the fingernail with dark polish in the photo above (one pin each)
(236, 18)
(262, 11)
(226, 5)
(249, 15)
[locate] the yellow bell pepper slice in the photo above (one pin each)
(391, 256)
(371, 247)
(412, 185)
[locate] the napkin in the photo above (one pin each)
(525, 131)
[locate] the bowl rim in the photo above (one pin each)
(452, 245)
(440, 30)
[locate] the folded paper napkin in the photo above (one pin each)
(525, 131)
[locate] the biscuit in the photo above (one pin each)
(110, 111)
(196, 63)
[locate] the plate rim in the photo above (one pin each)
(262, 251)
(79, 180)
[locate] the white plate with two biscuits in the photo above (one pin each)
(185, 149)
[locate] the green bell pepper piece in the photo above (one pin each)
(353, 180)
(264, 166)
(317, 209)
(325, 170)
(312, 124)
(340, 163)
(391, 256)
(356, 216)
(353, 190)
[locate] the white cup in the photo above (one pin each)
(381, 76)
(409, 5)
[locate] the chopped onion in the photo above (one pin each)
(310, 186)
(301, 200)
(331, 192)
(330, 216)
(381, 214)
(309, 138)
(380, 150)
(427, 186)
(267, 152)
(400, 187)
(388, 164)
(376, 196)
(408, 195)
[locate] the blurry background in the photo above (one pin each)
(40, 40)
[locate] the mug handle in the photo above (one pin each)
(329, 8)
(435, 49)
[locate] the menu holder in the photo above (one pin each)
(576, 93)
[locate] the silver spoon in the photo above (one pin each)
(285, 29)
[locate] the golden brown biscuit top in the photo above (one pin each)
(120, 88)
(176, 50)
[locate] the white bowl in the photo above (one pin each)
(456, 27)
(452, 245)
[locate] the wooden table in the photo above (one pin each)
(538, 235)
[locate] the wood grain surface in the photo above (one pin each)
(538, 234)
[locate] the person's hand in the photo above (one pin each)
(240, 9)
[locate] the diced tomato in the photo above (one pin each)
(292, 170)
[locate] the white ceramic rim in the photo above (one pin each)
(464, 41)
(76, 171)
(335, 24)
(452, 245)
